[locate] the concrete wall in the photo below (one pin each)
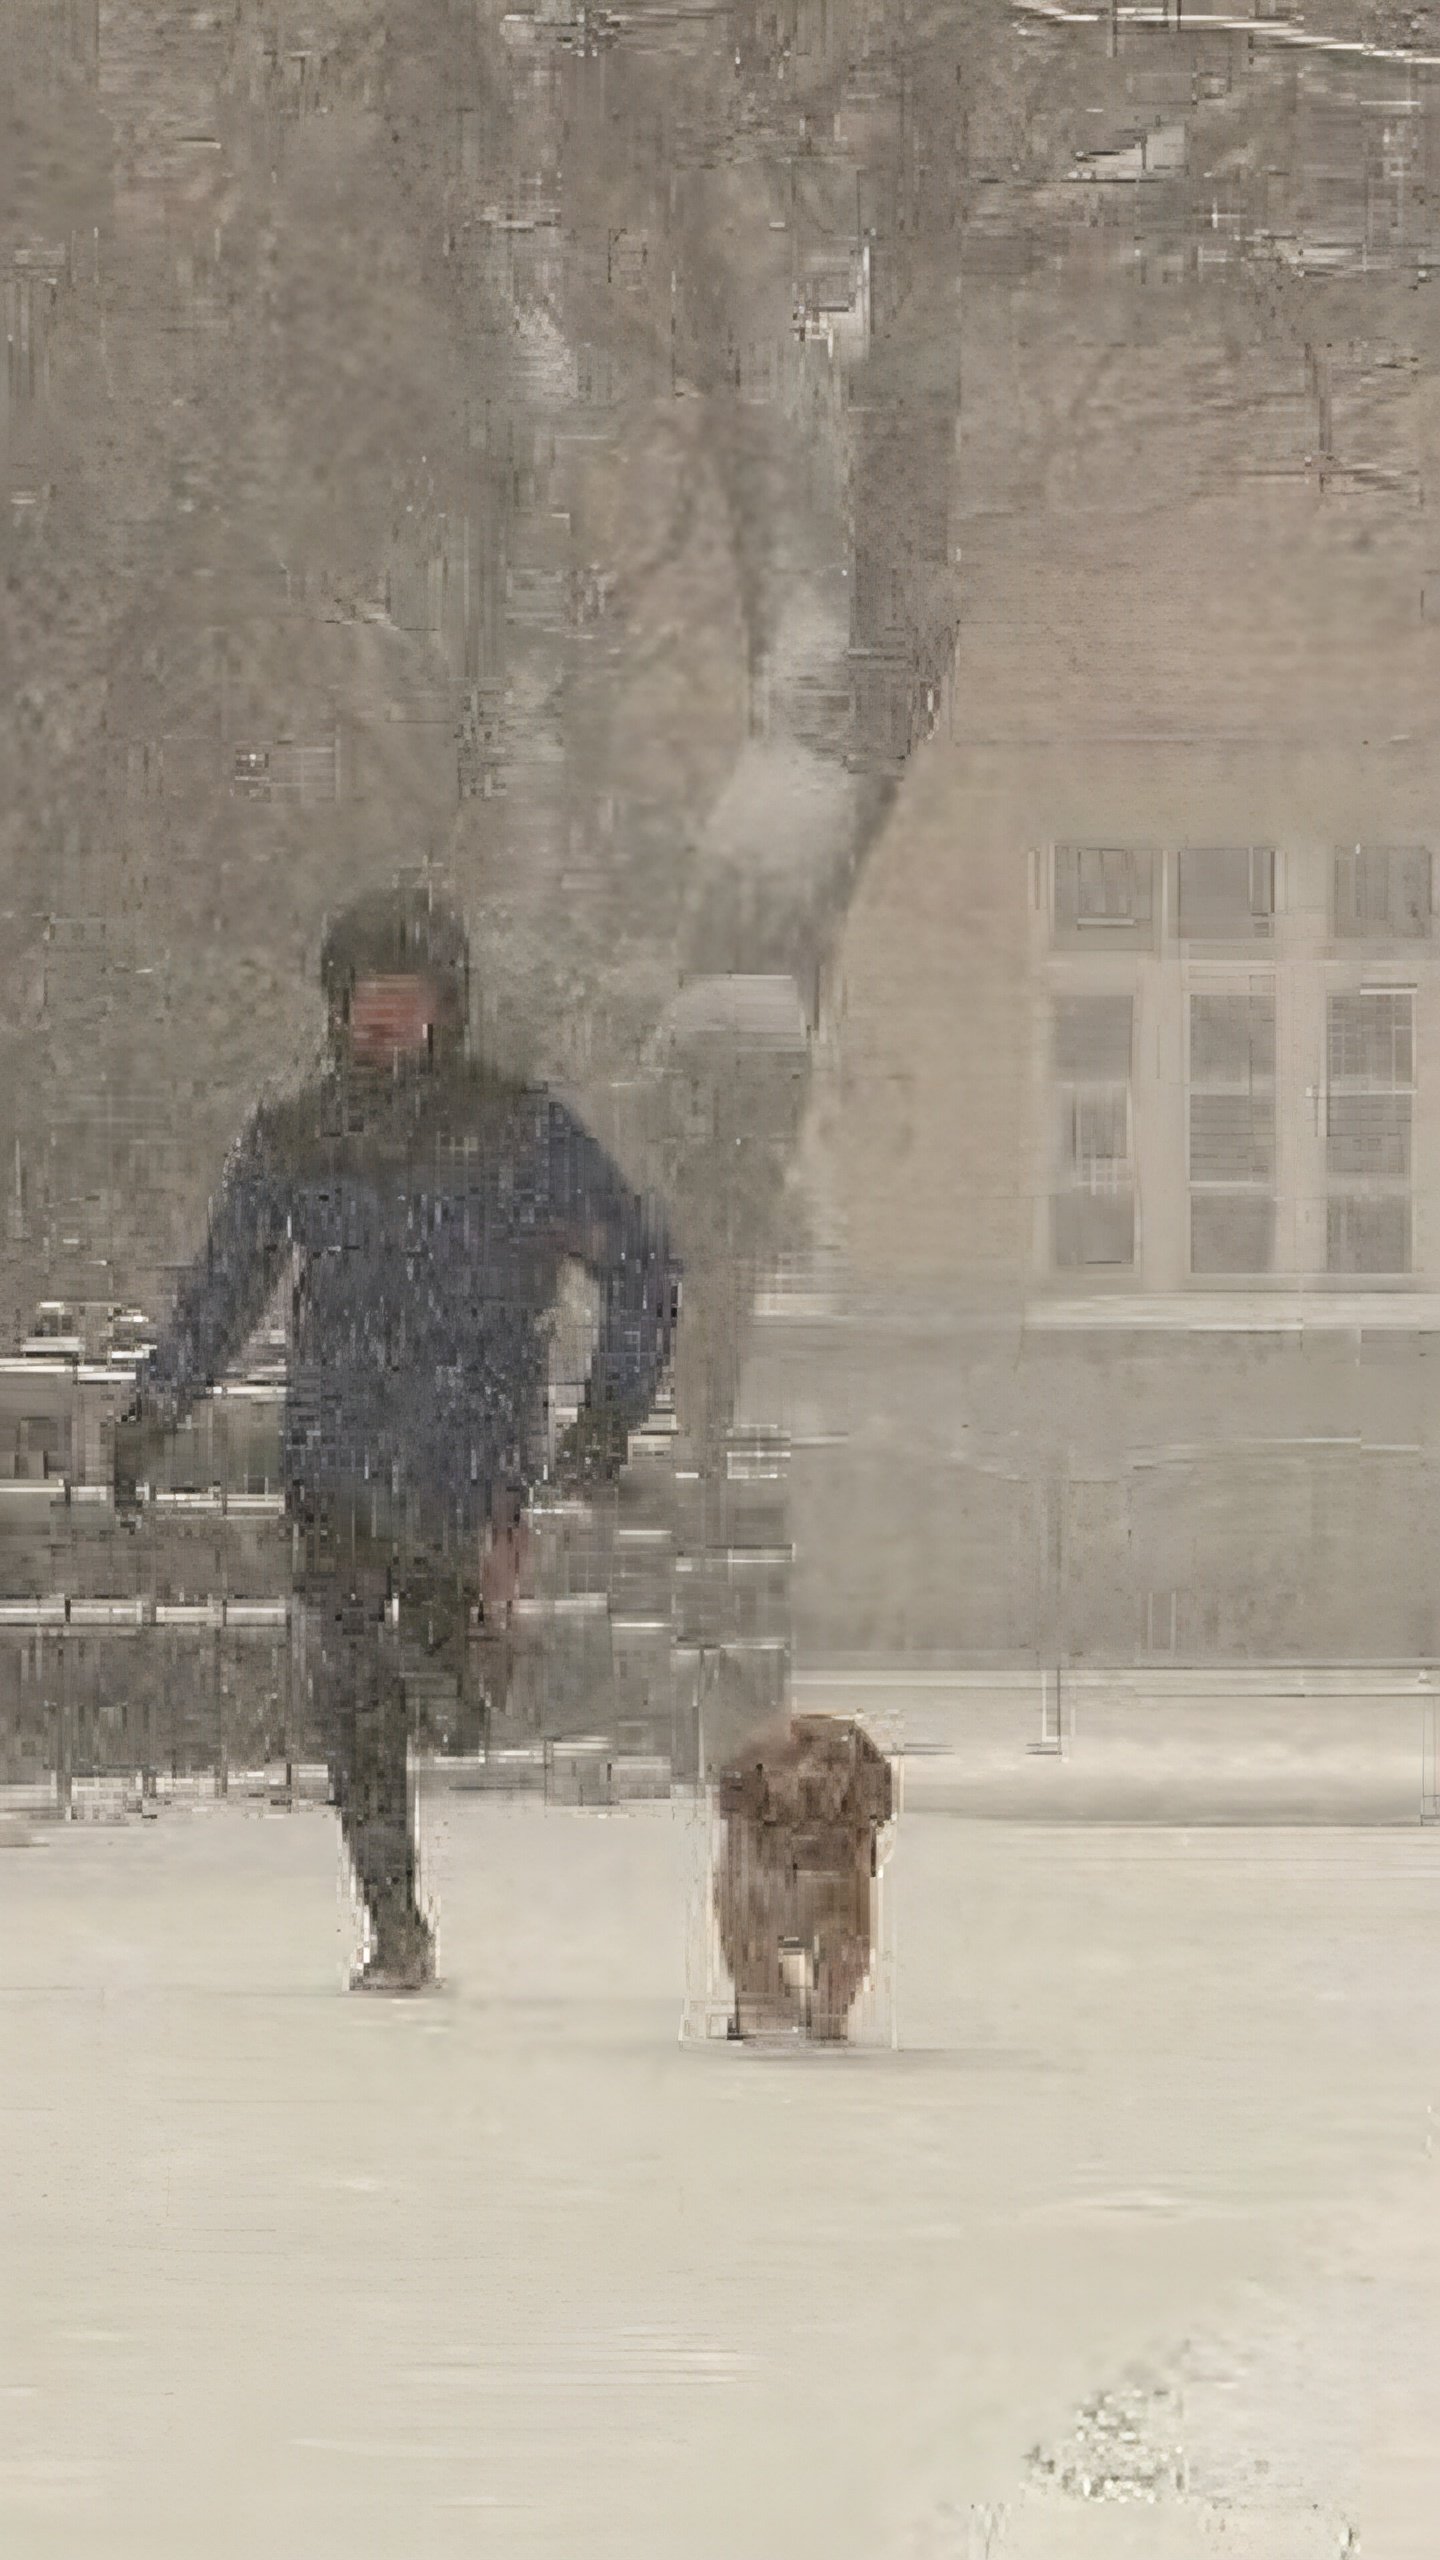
(960, 1492)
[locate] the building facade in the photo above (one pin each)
(1127, 1151)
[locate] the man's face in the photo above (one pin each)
(392, 1018)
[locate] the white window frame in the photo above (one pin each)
(1347, 924)
(1099, 1177)
(1252, 1187)
(1098, 1174)
(1120, 919)
(1372, 1189)
(1160, 970)
(1259, 925)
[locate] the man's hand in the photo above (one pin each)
(595, 1447)
(138, 1442)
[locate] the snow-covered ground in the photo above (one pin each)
(516, 2270)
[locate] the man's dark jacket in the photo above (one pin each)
(426, 1220)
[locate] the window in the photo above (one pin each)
(288, 771)
(1225, 894)
(1370, 1096)
(1096, 1135)
(1371, 1039)
(30, 298)
(1104, 893)
(629, 256)
(1382, 893)
(882, 705)
(145, 769)
(1367, 1134)
(1276, 1150)
(1093, 1199)
(304, 773)
(1231, 1132)
(1093, 1233)
(40, 1448)
(1232, 1234)
(597, 376)
(1366, 1238)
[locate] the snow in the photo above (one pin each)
(519, 2269)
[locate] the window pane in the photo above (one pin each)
(305, 773)
(1226, 892)
(1093, 1038)
(1371, 1038)
(1368, 1136)
(1232, 1138)
(1383, 891)
(1093, 1230)
(1231, 1232)
(40, 1446)
(1232, 1036)
(1368, 1236)
(1099, 885)
(1094, 1129)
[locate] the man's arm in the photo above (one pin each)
(223, 1295)
(622, 1242)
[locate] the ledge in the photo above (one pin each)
(1250, 1311)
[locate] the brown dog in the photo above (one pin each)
(803, 1805)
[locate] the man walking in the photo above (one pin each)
(427, 1205)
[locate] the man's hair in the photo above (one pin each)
(406, 930)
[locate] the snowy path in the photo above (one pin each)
(514, 2271)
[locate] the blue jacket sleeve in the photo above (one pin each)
(223, 1295)
(623, 1243)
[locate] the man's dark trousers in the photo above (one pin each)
(364, 1601)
